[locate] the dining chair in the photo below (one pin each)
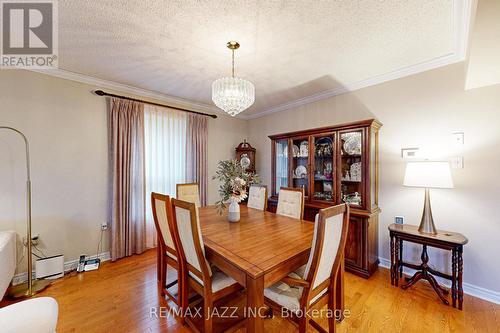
(291, 202)
(189, 192)
(211, 284)
(315, 284)
(162, 216)
(257, 197)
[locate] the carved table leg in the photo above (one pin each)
(416, 277)
(460, 272)
(396, 260)
(400, 258)
(392, 259)
(424, 274)
(454, 277)
(438, 289)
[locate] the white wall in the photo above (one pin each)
(67, 129)
(421, 111)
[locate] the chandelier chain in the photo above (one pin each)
(232, 72)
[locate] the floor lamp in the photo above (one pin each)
(31, 287)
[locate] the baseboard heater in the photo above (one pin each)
(50, 267)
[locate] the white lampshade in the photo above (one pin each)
(428, 175)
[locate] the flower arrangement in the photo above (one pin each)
(234, 182)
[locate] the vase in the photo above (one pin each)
(233, 211)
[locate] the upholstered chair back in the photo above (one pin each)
(188, 232)
(291, 202)
(189, 193)
(161, 216)
(257, 197)
(330, 234)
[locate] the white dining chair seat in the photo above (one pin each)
(220, 281)
(288, 296)
(300, 271)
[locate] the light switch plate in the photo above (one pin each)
(457, 162)
(409, 153)
(458, 138)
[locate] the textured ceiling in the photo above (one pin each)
(290, 49)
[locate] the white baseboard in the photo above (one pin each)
(68, 266)
(469, 289)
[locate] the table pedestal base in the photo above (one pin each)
(425, 274)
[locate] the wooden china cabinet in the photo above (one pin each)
(335, 164)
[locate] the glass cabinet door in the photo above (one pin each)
(324, 175)
(281, 164)
(300, 163)
(351, 189)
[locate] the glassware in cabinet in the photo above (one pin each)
(300, 163)
(323, 164)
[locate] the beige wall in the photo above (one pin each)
(66, 126)
(421, 111)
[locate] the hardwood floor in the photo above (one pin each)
(118, 298)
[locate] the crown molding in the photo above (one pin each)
(462, 10)
(123, 88)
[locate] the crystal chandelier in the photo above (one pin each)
(233, 94)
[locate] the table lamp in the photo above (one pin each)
(428, 175)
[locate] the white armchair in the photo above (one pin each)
(36, 315)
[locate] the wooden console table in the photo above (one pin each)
(445, 240)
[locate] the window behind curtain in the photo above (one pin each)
(165, 156)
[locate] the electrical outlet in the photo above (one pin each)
(35, 240)
(399, 219)
(104, 226)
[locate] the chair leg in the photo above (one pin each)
(303, 324)
(207, 310)
(163, 274)
(331, 323)
(332, 306)
(183, 292)
(339, 290)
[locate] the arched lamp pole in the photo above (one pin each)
(31, 287)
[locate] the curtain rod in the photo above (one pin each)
(103, 93)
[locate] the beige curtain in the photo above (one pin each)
(196, 153)
(127, 188)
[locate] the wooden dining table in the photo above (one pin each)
(258, 251)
